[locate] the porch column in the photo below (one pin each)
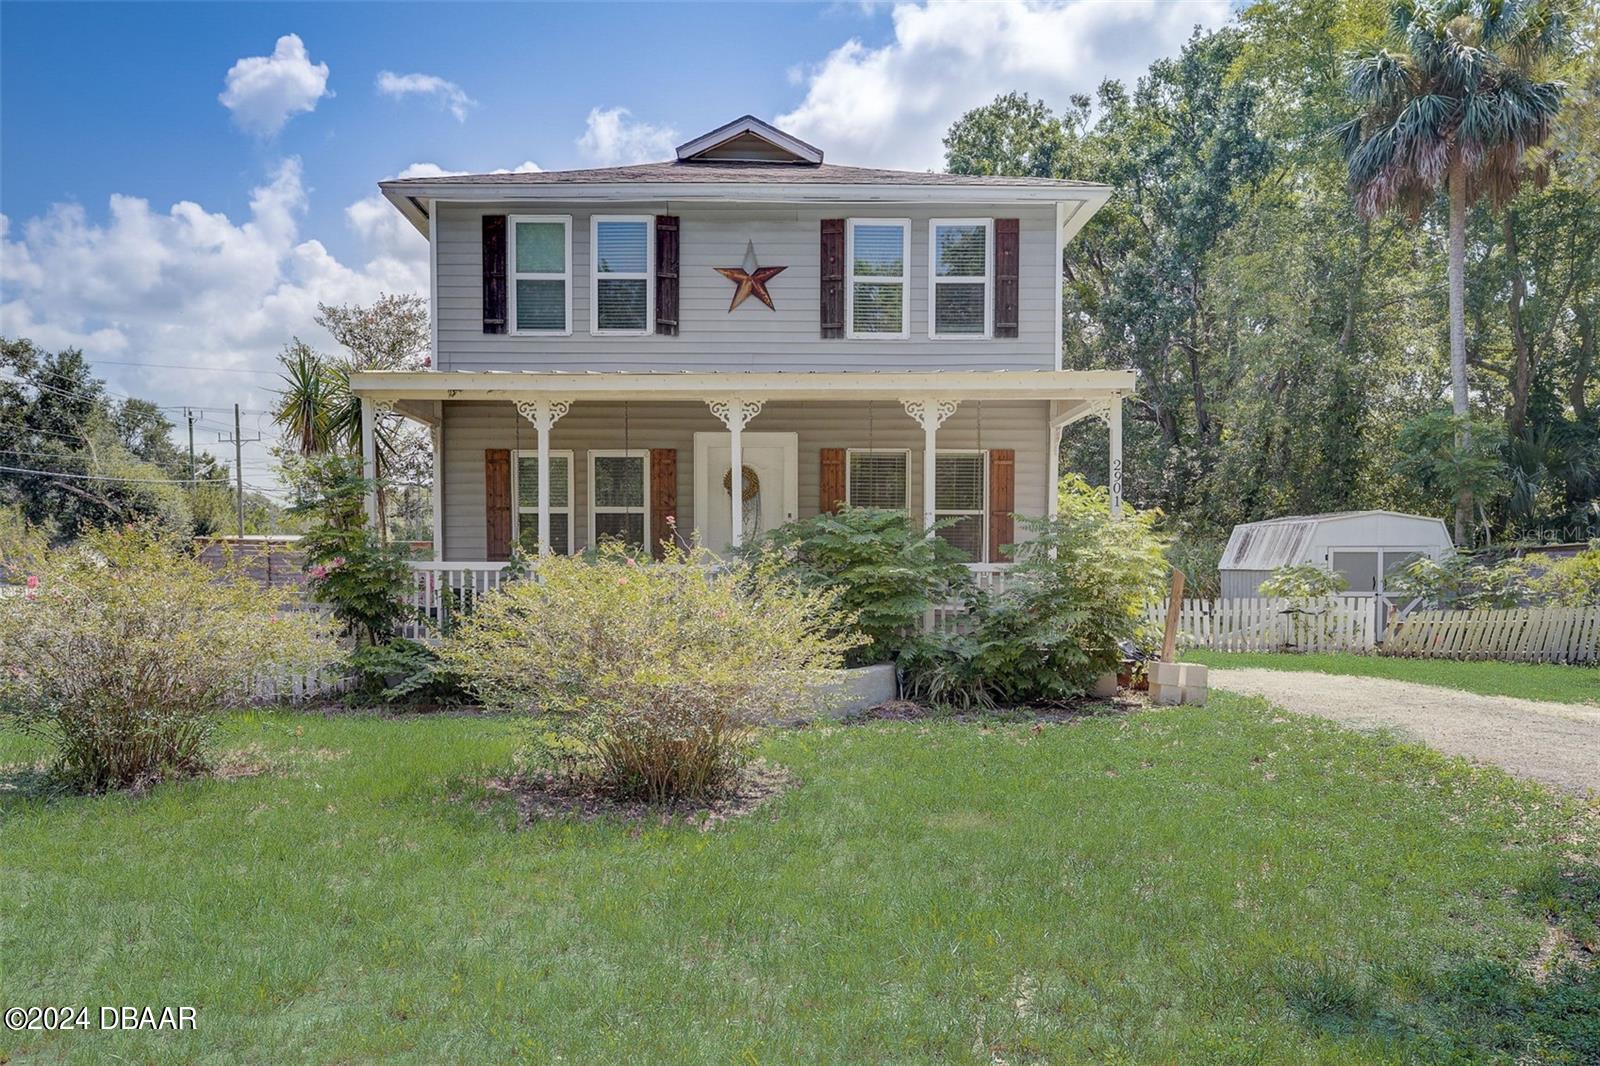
(1114, 431)
(930, 413)
(369, 458)
(735, 413)
(436, 436)
(543, 413)
(1052, 499)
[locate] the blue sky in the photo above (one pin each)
(182, 183)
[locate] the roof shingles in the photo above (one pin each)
(699, 172)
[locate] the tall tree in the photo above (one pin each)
(1453, 102)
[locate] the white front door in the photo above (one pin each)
(771, 485)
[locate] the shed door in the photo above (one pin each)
(1359, 568)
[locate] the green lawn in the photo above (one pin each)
(1198, 884)
(1532, 681)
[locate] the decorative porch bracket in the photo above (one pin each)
(930, 413)
(544, 414)
(735, 412)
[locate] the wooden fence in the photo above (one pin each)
(1338, 623)
(1524, 634)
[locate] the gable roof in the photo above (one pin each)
(748, 139)
(731, 172)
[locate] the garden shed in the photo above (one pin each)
(1362, 545)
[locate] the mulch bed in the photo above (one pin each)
(542, 795)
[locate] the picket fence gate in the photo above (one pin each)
(1337, 623)
(1522, 634)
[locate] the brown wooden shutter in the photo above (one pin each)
(667, 275)
(1007, 260)
(494, 273)
(1002, 501)
(497, 502)
(832, 277)
(832, 480)
(663, 499)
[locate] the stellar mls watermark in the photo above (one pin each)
(100, 1019)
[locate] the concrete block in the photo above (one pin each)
(1172, 684)
(855, 690)
(1105, 686)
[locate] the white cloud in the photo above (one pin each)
(449, 95)
(614, 137)
(190, 286)
(264, 92)
(891, 105)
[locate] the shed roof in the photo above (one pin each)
(1274, 542)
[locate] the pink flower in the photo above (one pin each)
(336, 562)
(672, 521)
(33, 581)
(631, 561)
(319, 572)
(622, 581)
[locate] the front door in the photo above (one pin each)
(770, 485)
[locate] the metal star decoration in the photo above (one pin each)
(750, 278)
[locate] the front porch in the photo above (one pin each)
(648, 458)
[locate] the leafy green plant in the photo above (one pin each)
(1457, 582)
(401, 672)
(364, 581)
(1079, 591)
(885, 569)
(129, 646)
(650, 679)
(1304, 581)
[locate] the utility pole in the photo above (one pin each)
(238, 466)
(237, 440)
(188, 413)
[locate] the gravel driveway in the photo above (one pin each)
(1557, 744)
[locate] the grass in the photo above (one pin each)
(1193, 884)
(1532, 681)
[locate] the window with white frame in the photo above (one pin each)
(961, 258)
(619, 493)
(526, 491)
(620, 295)
(877, 478)
(961, 494)
(878, 262)
(540, 253)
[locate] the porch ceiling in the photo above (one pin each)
(400, 385)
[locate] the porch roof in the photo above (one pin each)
(786, 385)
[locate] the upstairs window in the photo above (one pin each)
(877, 478)
(620, 293)
(877, 262)
(540, 251)
(961, 252)
(961, 493)
(526, 490)
(619, 489)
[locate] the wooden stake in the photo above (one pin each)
(1169, 642)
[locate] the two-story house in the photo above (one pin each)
(611, 344)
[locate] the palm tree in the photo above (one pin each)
(1455, 104)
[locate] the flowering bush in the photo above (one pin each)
(129, 645)
(649, 677)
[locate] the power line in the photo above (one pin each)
(185, 366)
(95, 477)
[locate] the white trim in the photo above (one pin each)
(750, 124)
(643, 455)
(906, 452)
(1094, 385)
(516, 494)
(648, 276)
(904, 280)
(512, 275)
(982, 513)
(1060, 272)
(433, 287)
(988, 278)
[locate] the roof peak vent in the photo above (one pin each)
(748, 140)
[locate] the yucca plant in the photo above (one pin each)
(1454, 101)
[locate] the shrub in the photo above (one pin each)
(649, 678)
(1078, 592)
(1570, 582)
(401, 671)
(1456, 582)
(363, 581)
(1304, 581)
(129, 646)
(886, 570)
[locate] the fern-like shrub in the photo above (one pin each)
(650, 679)
(886, 571)
(129, 646)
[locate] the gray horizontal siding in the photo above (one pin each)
(752, 337)
(471, 427)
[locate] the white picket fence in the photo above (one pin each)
(1523, 634)
(297, 686)
(442, 590)
(1337, 623)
